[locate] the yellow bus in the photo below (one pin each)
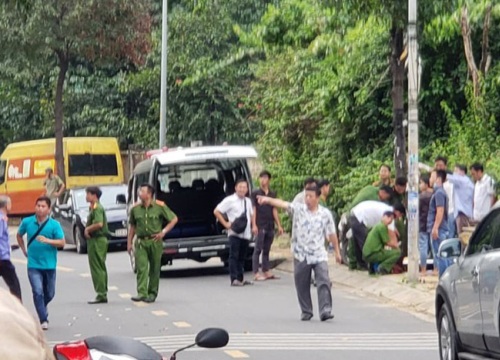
(87, 161)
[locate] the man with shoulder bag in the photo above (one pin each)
(238, 209)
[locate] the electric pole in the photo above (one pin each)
(163, 82)
(413, 172)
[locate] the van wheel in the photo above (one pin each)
(448, 340)
(80, 242)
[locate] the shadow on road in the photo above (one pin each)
(205, 270)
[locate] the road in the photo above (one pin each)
(263, 320)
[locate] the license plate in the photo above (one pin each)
(121, 232)
(208, 253)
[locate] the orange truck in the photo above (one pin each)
(87, 161)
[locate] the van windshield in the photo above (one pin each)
(220, 174)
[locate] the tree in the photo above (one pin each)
(63, 32)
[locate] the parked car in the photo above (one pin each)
(192, 181)
(468, 295)
(73, 210)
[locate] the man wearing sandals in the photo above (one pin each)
(263, 219)
(311, 225)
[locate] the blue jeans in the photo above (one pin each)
(452, 226)
(442, 264)
(43, 285)
(423, 247)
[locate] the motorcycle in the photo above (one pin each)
(124, 348)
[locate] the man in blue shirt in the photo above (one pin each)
(437, 219)
(7, 269)
(463, 195)
(44, 236)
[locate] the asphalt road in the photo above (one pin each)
(263, 320)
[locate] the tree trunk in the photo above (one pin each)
(398, 73)
(58, 112)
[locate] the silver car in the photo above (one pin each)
(468, 295)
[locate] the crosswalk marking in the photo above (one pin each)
(125, 295)
(236, 354)
(239, 343)
(112, 288)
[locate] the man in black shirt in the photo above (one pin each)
(263, 219)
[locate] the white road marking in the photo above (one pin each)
(125, 295)
(159, 313)
(304, 341)
(140, 304)
(182, 324)
(85, 275)
(112, 288)
(236, 354)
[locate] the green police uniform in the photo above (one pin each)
(97, 247)
(374, 249)
(148, 222)
(367, 193)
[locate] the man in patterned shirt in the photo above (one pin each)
(311, 225)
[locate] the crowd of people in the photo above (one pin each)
(375, 220)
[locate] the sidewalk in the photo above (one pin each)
(389, 288)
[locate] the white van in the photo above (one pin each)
(192, 181)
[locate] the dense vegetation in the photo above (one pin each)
(310, 83)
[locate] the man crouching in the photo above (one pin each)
(381, 236)
(311, 225)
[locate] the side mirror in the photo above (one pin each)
(121, 199)
(212, 338)
(450, 248)
(64, 207)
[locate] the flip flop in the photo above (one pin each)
(273, 277)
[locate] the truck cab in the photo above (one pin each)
(192, 182)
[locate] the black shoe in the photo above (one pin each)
(137, 298)
(97, 301)
(149, 300)
(327, 316)
(306, 317)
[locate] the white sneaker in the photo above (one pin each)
(45, 325)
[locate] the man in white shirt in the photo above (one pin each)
(234, 206)
(312, 223)
(366, 215)
(484, 192)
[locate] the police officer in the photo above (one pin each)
(96, 233)
(146, 221)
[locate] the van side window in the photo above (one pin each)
(3, 164)
(93, 165)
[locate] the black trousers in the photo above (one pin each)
(8, 272)
(238, 248)
(359, 234)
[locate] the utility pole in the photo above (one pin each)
(413, 172)
(163, 83)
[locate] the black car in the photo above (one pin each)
(73, 210)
